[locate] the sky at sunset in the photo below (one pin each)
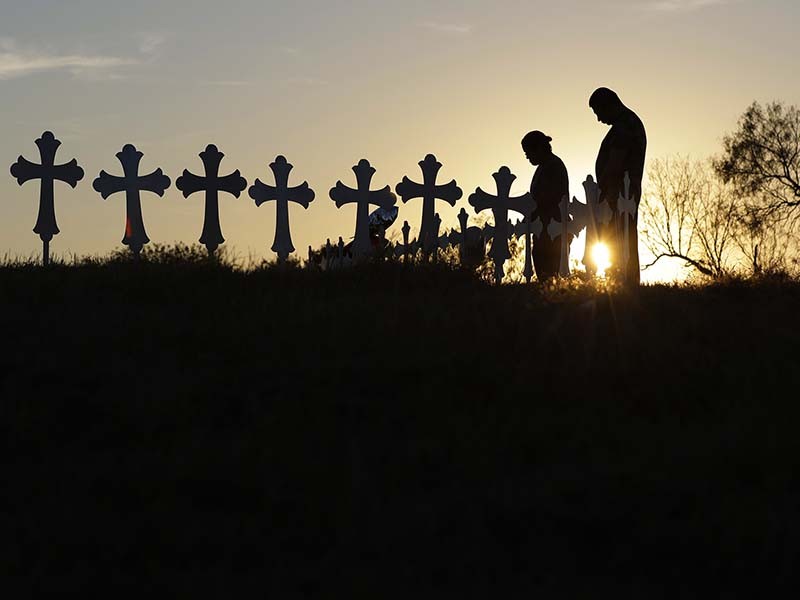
(329, 82)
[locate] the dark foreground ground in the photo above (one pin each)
(391, 434)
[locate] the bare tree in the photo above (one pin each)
(688, 214)
(762, 158)
(770, 245)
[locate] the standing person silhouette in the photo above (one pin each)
(549, 185)
(623, 149)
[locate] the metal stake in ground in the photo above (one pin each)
(211, 184)
(47, 172)
(429, 192)
(282, 194)
(500, 205)
(362, 197)
(132, 184)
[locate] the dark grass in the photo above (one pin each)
(191, 428)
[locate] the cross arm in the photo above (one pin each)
(341, 194)
(555, 229)
(189, 183)
(626, 205)
(261, 192)
(155, 182)
(24, 170)
(449, 192)
(69, 173)
(302, 194)
(580, 214)
(234, 183)
(408, 190)
(107, 184)
(525, 226)
(480, 200)
(525, 204)
(383, 198)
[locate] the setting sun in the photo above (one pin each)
(601, 257)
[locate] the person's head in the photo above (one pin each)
(606, 105)
(536, 146)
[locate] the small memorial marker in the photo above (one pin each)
(282, 194)
(132, 184)
(342, 258)
(434, 234)
(442, 241)
(362, 197)
(405, 248)
(470, 241)
(460, 237)
(429, 192)
(327, 263)
(211, 184)
(47, 172)
(500, 205)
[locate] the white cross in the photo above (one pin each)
(500, 205)
(429, 192)
(627, 208)
(282, 194)
(362, 197)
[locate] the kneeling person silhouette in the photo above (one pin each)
(549, 185)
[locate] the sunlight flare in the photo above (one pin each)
(601, 257)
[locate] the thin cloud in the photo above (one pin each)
(450, 28)
(676, 6)
(18, 62)
(150, 42)
(306, 81)
(227, 82)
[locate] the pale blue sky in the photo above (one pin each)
(327, 83)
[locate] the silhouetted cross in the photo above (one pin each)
(600, 213)
(460, 237)
(574, 217)
(500, 205)
(211, 184)
(362, 197)
(529, 228)
(626, 205)
(47, 172)
(132, 184)
(406, 247)
(440, 241)
(282, 194)
(429, 192)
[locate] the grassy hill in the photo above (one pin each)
(385, 432)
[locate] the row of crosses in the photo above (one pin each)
(575, 216)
